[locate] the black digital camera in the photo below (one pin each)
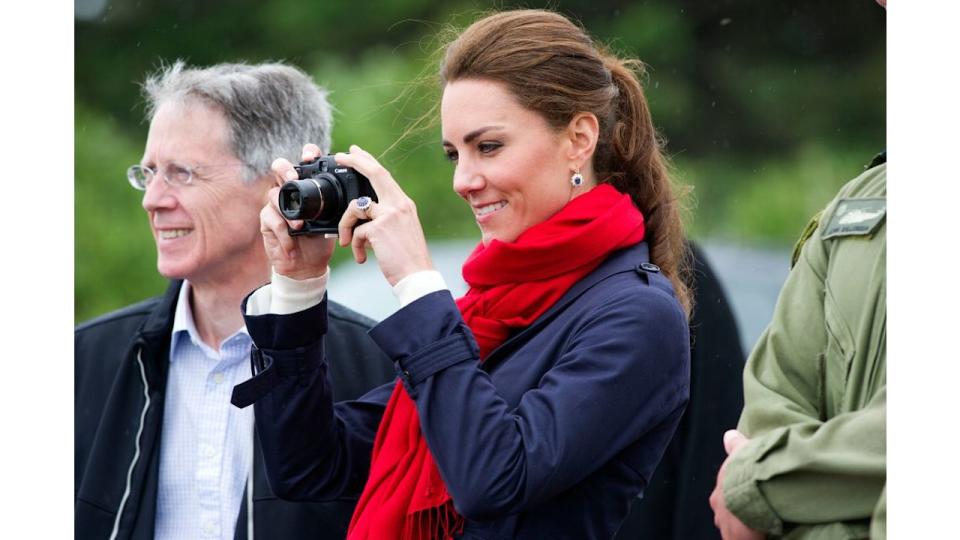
(321, 195)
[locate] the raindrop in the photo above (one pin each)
(725, 21)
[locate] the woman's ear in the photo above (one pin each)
(583, 132)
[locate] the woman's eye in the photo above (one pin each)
(487, 147)
(451, 155)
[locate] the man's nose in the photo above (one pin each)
(158, 195)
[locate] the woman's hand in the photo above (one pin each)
(393, 229)
(299, 257)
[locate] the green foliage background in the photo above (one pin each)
(768, 107)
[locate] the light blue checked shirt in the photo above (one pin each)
(206, 447)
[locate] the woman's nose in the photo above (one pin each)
(467, 179)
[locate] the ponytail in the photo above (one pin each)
(631, 159)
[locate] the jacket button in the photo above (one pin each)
(649, 267)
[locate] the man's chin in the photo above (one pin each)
(171, 271)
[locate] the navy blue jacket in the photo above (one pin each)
(553, 435)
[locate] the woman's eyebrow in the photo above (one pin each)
(469, 137)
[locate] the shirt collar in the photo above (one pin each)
(183, 325)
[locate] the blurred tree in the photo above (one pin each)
(767, 106)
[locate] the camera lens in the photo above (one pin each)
(300, 199)
(311, 198)
(293, 202)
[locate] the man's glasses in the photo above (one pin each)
(140, 176)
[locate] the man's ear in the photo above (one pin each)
(582, 132)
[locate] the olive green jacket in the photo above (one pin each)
(815, 385)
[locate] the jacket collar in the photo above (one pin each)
(160, 320)
(153, 339)
(625, 260)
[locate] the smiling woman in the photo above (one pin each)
(538, 404)
(507, 169)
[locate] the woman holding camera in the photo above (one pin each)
(538, 404)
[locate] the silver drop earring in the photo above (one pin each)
(576, 179)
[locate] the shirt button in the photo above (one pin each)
(207, 450)
(208, 528)
(218, 377)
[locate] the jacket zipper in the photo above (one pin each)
(136, 453)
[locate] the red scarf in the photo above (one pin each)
(511, 284)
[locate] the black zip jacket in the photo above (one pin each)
(121, 362)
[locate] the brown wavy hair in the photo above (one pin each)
(553, 67)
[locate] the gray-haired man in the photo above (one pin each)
(159, 450)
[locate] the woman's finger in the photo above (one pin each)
(282, 171)
(353, 215)
(359, 245)
(347, 222)
(272, 223)
(383, 183)
(310, 152)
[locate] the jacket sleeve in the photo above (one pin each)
(799, 467)
(812, 472)
(676, 504)
(621, 374)
(312, 449)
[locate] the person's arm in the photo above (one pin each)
(799, 468)
(811, 473)
(622, 375)
(313, 449)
